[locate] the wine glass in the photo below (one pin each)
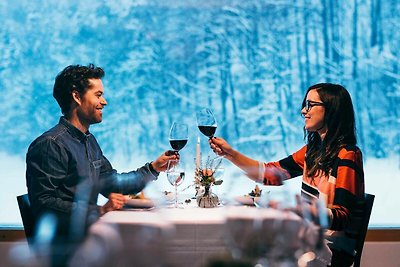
(175, 176)
(206, 122)
(178, 135)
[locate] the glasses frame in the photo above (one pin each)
(310, 104)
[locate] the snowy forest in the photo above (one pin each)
(249, 61)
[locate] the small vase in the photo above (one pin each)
(207, 199)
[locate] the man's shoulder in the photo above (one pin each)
(49, 136)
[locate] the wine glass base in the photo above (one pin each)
(173, 206)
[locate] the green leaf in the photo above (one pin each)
(218, 182)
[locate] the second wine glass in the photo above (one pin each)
(175, 176)
(206, 122)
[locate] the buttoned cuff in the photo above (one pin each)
(152, 170)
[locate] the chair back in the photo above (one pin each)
(360, 221)
(28, 219)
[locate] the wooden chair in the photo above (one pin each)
(360, 223)
(28, 219)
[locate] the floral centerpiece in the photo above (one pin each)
(205, 178)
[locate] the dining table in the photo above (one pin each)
(194, 236)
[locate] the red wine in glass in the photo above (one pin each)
(208, 131)
(206, 122)
(178, 135)
(178, 144)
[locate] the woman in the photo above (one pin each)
(330, 163)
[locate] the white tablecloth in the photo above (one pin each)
(190, 236)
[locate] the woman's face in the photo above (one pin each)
(314, 113)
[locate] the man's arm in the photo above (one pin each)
(47, 167)
(134, 181)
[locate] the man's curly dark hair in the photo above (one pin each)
(74, 77)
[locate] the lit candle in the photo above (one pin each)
(198, 153)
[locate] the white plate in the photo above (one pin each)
(139, 203)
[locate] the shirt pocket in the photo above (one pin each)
(96, 167)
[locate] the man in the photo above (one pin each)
(66, 169)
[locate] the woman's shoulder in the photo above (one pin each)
(350, 148)
(350, 151)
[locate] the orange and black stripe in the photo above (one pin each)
(340, 190)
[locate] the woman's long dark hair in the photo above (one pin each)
(340, 122)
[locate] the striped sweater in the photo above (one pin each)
(339, 191)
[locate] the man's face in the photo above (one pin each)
(90, 110)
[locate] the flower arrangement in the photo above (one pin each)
(205, 177)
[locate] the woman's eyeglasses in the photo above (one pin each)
(310, 104)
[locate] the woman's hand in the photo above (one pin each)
(221, 147)
(249, 165)
(115, 202)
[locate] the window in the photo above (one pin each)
(251, 61)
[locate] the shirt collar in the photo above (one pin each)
(75, 132)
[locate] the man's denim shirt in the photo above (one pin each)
(66, 170)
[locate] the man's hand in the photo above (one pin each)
(115, 202)
(161, 163)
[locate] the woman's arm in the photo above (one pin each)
(253, 168)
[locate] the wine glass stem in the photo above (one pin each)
(176, 196)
